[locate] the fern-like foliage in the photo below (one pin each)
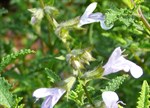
(77, 95)
(144, 99)
(10, 57)
(115, 83)
(17, 103)
(6, 97)
(53, 77)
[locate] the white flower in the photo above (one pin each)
(89, 17)
(117, 63)
(52, 96)
(110, 99)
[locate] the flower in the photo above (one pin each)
(117, 63)
(52, 96)
(89, 17)
(110, 99)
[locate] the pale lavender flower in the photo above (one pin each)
(111, 99)
(51, 95)
(90, 17)
(117, 63)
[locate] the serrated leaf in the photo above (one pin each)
(17, 103)
(10, 57)
(144, 99)
(6, 97)
(52, 75)
(115, 83)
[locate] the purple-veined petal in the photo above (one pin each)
(110, 99)
(86, 21)
(94, 17)
(89, 10)
(51, 100)
(97, 16)
(47, 103)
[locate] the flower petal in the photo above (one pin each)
(111, 61)
(51, 100)
(110, 99)
(42, 92)
(117, 63)
(89, 10)
(85, 21)
(47, 103)
(103, 25)
(97, 16)
(135, 70)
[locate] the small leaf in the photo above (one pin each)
(115, 83)
(6, 97)
(60, 58)
(52, 75)
(6, 60)
(144, 99)
(50, 2)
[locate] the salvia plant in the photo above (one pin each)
(94, 54)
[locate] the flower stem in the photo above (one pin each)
(88, 96)
(145, 22)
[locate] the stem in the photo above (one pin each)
(145, 22)
(88, 96)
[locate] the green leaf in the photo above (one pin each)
(17, 103)
(77, 95)
(10, 57)
(50, 2)
(6, 97)
(144, 99)
(52, 75)
(115, 83)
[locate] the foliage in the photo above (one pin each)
(144, 99)
(7, 98)
(9, 58)
(114, 84)
(72, 57)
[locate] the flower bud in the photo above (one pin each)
(68, 83)
(93, 74)
(37, 15)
